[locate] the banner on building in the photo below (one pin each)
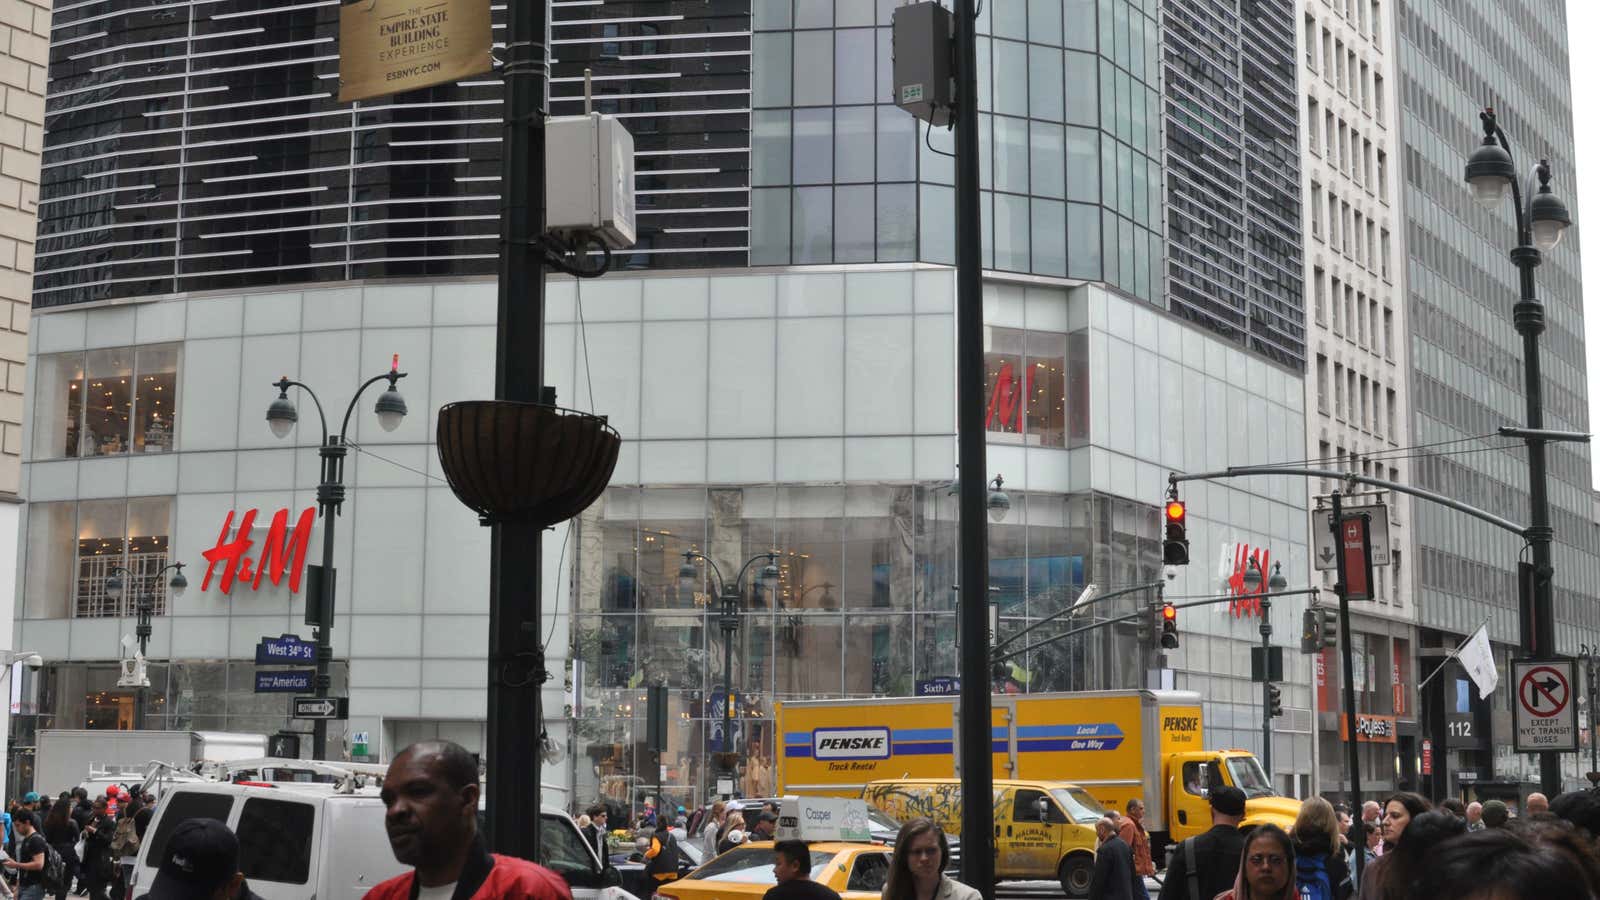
(390, 46)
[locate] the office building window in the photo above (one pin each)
(106, 402)
(1322, 384)
(1338, 392)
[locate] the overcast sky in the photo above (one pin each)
(1583, 27)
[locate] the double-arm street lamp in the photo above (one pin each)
(1541, 220)
(1252, 584)
(145, 609)
(145, 603)
(281, 417)
(732, 595)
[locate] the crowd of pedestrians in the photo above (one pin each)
(1408, 849)
(73, 844)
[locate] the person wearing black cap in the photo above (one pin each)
(31, 852)
(201, 862)
(1207, 864)
(766, 824)
(431, 795)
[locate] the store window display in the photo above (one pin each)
(106, 402)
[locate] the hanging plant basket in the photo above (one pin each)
(525, 462)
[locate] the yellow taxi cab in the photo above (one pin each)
(843, 857)
(856, 871)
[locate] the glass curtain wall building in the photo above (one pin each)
(1467, 375)
(777, 352)
(1070, 140)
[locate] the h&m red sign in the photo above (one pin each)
(282, 554)
(1245, 559)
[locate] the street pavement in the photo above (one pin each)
(1036, 890)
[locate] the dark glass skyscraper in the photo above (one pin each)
(1233, 176)
(1467, 374)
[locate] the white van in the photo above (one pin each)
(305, 841)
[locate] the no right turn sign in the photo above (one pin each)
(1546, 716)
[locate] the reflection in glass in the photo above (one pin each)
(812, 240)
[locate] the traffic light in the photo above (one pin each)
(1275, 700)
(1175, 550)
(1319, 629)
(1311, 631)
(1144, 626)
(1169, 627)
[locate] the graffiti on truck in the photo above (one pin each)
(940, 802)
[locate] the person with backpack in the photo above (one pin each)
(1320, 869)
(61, 833)
(33, 859)
(1207, 864)
(125, 845)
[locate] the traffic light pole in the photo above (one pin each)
(1205, 601)
(977, 763)
(1266, 683)
(1353, 759)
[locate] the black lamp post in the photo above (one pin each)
(1541, 221)
(1253, 584)
(281, 417)
(732, 599)
(1591, 661)
(145, 609)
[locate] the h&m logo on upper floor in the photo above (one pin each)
(283, 553)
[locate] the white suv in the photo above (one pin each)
(301, 841)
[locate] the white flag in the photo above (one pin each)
(1478, 659)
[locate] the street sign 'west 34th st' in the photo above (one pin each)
(284, 650)
(1323, 548)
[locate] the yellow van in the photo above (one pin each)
(1042, 829)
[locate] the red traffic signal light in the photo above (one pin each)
(1169, 627)
(1175, 549)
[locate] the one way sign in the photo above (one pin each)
(1323, 548)
(320, 708)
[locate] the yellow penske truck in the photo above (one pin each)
(1114, 745)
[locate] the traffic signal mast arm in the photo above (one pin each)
(1076, 607)
(1207, 601)
(1243, 471)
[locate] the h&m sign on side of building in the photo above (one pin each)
(282, 554)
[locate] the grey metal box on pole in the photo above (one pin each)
(924, 82)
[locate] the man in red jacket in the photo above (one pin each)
(431, 791)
